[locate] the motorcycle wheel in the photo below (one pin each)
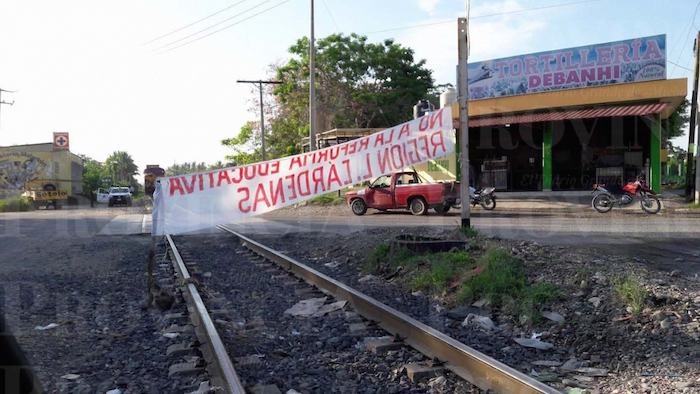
(602, 203)
(488, 202)
(441, 209)
(650, 203)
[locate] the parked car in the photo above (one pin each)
(114, 196)
(404, 190)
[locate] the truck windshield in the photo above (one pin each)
(382, 181)
(120, 190)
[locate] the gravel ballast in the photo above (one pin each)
(314, 354)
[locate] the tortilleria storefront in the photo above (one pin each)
(566, 119)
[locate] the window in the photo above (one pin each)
(382, 181)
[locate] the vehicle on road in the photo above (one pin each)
(404, 190)
(45, 194)
(150, 175)
(484, 197)
(610, 196)
(115, 196)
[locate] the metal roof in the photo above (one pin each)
(555, 115)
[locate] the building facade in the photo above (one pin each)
(21, 165)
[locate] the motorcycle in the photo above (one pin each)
(610, 196)
(483, 197)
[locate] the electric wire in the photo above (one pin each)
(692, 23)
(194, 23)
(676, 64)
(485, 16)
(225, 27)
(207, 28)
(331, 15)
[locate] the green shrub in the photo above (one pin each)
(15, 204)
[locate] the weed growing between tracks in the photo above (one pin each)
(631, 291)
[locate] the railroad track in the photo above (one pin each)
(254, 323)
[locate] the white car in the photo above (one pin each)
(114, 196)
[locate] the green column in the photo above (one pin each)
(547, 158)
(457, 155)
(655, 145)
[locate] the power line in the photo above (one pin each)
(207, 28)
(676, 64)
(194, 23)
(331, 15)
(692, 23)
(226, 27)
(486, 16)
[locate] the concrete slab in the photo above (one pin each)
(130, 224)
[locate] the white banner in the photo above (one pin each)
(192, 202)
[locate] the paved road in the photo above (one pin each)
(671, 239)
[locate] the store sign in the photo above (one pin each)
(636, 60)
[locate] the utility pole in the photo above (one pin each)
(463, 36)
(312, 85)
(693, 115)
(262, 114)
(4, 102)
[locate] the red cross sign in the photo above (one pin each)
(60, 141)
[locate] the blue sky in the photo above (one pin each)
(80, 65)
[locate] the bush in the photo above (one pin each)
(15, 204)
(327, 199)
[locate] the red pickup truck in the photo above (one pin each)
(404, 190)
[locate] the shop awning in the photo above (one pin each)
(600, 112)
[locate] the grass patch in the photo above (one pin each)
(442, 268)
(15, 204)
(693, 205)
(373, 262)
(328, 199)
(469, 232)
(631, 291)
(503, 283)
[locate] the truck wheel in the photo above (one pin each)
(418, 206)
(110, 204)
(358, 206)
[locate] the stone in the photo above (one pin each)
(246, 361)
(665, 324)
(267, 389)
(357, 328)
(418, 371)
(533, 343)
(184, 369)
(546, 363)
(462, 312)
(553, 316)
(684, 385)
(595, 301)
(382, 345)
(368, 278)
(658, 316)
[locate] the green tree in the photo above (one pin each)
(358, 85)
(189, 168)
(93, 173)
(246, 146)
(677, 124)
(122, 168)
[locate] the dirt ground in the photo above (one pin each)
(600, 346)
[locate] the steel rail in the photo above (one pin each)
(471, 365)
(224, 366)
